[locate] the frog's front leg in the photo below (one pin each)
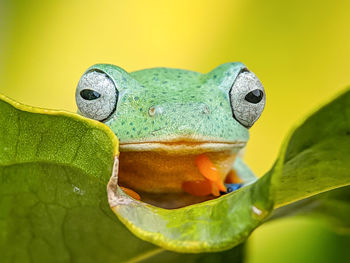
(239, 176)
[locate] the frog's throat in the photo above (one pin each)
(181, 147)
(157, 170)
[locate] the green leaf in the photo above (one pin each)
(313, 159)
(214, 225)
(333, 207)
(54, 168)
(317, 158)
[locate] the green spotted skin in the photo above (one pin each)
(164, 104)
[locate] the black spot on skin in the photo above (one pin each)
(131, 124)
(136, 98)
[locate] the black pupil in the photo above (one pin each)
(254, 96)
(88, 94)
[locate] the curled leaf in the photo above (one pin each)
(54, 167)
(313, 159)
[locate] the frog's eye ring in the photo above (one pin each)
(247, 97)
(96, 95)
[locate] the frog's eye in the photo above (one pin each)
(96, 95)
(247, 98)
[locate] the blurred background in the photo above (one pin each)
(300, 50)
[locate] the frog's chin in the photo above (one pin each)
(157, 170)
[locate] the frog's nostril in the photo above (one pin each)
(155, 110)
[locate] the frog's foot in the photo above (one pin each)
(198, 188)
(131, 193)
(233, 187)
(211, 183)
(233, 182)
(211, 173)
(201, 188)
(233, 178)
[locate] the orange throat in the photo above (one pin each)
(176, 178)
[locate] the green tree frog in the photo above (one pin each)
(181, 132)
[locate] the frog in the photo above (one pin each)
(182, 133)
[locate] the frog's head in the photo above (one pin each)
(165, 117)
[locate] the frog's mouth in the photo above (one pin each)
(161, 171)
(181, 147)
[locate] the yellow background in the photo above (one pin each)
(299, 49)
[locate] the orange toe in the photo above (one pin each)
(210, 172)
(207, 168)
(131, 193)
(233, 178)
